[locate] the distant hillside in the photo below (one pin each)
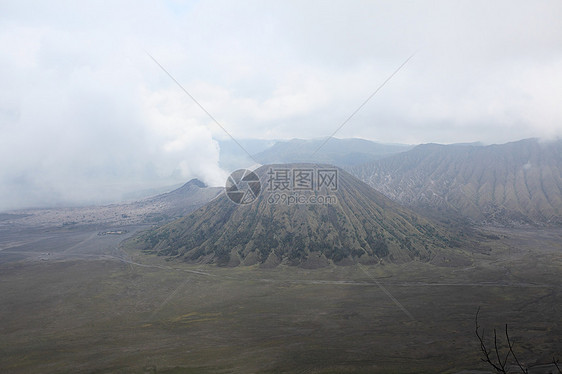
(363, 225)
(513, 183)
(339, 152)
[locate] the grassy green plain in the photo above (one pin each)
(91, 307)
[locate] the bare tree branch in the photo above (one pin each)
(525, 371)
(486, 351)
(498, 352)
(555, 362)
(501, 366)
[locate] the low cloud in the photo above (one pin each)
(86, 115)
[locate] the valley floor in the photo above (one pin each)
(73, 301)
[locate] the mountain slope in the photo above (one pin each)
(519, 182)
(363, 225)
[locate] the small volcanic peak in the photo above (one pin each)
(193, 184)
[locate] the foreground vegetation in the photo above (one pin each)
(150, 315)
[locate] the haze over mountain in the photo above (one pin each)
(518, 182)
(85, 112)
(156, 209)
(339, 152)
(363, 225)
(233, 157)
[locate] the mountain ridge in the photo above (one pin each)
(512, 183)
(335, 151)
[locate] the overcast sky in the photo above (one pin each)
(85, 114)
